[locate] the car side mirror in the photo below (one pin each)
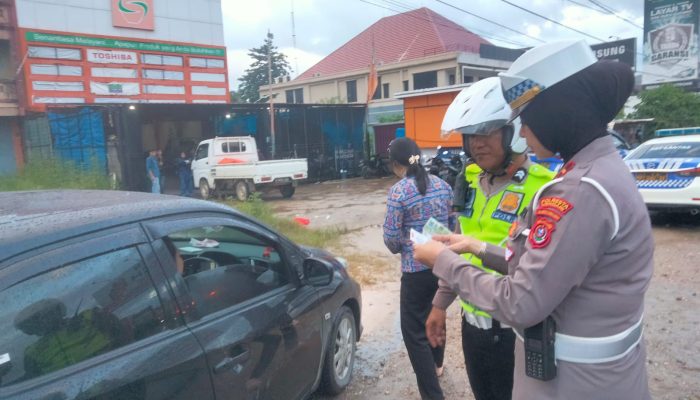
(318, 272)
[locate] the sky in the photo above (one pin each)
(321, 26)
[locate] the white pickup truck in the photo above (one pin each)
(230, 165)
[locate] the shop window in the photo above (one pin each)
(163, 75)
(114, 72)
(207, 77)
(405, 86)
(157, 59)
(467, 79)
(56, 70)
(351, 87)
(451, 79)
(209, 91)
(58, 86)
(385, 90)
(425, 80)
(76, 312)
(163, 89)
(206, 63)
(294, 95)
(59, 53)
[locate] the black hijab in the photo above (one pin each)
(574, 112)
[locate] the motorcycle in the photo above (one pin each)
(374, 167)
(447, 171)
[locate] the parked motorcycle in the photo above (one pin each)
(375, 167)
(447, 170)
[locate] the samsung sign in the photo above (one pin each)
(619, 50)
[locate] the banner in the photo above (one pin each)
(75, 40)
(670, 41)
(111, 57)
(115, 88)
(623, 51)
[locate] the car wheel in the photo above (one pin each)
(242, 192)
(204, 189)
(287, 191)
(340, 356)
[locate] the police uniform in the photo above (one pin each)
(492, 208)
(589, 274)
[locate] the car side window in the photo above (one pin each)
(224, 266)
(75, 312)
(202, 151)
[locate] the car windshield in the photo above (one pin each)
(667, 150)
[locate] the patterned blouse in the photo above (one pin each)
(406, 208)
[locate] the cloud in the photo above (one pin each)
(322, 26)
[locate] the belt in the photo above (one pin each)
(596, 350)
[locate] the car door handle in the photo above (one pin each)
(239, 355)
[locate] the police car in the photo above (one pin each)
(667, 171)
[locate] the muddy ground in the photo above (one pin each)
(382, 369)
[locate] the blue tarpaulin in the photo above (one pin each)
(79, 137)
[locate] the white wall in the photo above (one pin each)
(191, 21)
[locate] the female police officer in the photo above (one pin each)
(502, 181)
(582, 255)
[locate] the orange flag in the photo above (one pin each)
(372, 81)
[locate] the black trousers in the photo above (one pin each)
(489, 357)
(417, 291)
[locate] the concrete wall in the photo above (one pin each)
(189, 21)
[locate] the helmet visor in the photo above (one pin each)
(483, 128)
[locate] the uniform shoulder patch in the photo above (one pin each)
(541, 233)
(556, 204)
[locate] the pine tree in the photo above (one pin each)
(256, 75)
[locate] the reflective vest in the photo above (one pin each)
(488, 219)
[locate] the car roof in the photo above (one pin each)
(674, 139)
(31, 219)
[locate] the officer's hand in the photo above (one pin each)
(427, 253)
(436, 327)
(460, 243)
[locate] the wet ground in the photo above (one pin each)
(382, 369)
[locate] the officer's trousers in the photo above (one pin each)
(489, 357)
(417, 291)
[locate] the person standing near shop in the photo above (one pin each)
(501, 183)
(184, 173)
(580, 259)
(153, 171)
(413, 200)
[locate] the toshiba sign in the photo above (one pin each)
(111, 57)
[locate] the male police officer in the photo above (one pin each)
(580, 260)
(501, 183)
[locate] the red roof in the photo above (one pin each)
(407, 36)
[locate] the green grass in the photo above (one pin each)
(54, 174)
(316, 237)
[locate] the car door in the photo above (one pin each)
(200, 163)
(92, 318)
(260, 328)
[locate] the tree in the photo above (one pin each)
(670, 106)
(235, 97)
(257, 74)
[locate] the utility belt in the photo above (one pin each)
(595, 350)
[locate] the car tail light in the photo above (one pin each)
(694, 172)
(298, 176)
(266, 179)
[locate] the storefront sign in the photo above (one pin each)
(74, 40)
(136, 14)
(670, 41)
(111, 57)
(620, 50)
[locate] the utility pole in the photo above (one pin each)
(269, 91)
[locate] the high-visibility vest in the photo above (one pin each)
(488, 219)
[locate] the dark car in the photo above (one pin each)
(119, 295)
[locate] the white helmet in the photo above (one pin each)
(481, 108)
(542, 67)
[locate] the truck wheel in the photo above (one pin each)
(204, 189)
(287, 191)
(242, 192)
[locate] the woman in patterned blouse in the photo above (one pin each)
(411, 202)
